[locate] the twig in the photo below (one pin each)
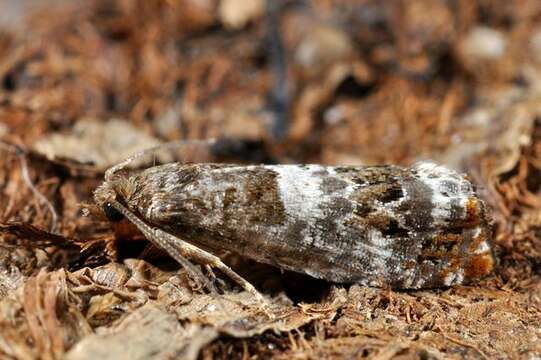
(279, 96)
(465, 344)
(21, 155)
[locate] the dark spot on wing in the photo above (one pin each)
(393, 229)
(395, 193)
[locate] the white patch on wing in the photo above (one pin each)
(300, 191)
(482, 248)
(434, 176)
(454, 278)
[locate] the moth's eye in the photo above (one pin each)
(112, 214)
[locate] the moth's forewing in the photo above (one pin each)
(385, 226)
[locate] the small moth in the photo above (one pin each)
(385, 226)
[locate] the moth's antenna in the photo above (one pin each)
(137, 160)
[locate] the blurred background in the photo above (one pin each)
(84, 84)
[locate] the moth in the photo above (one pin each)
(386, 226)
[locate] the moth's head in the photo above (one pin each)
(110, 191)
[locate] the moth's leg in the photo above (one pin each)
(147, 157)
(180, 250)
(154, 235)
(174, 245)
(213, 276)
(203, 257)
(195, 274)
(192, 270)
